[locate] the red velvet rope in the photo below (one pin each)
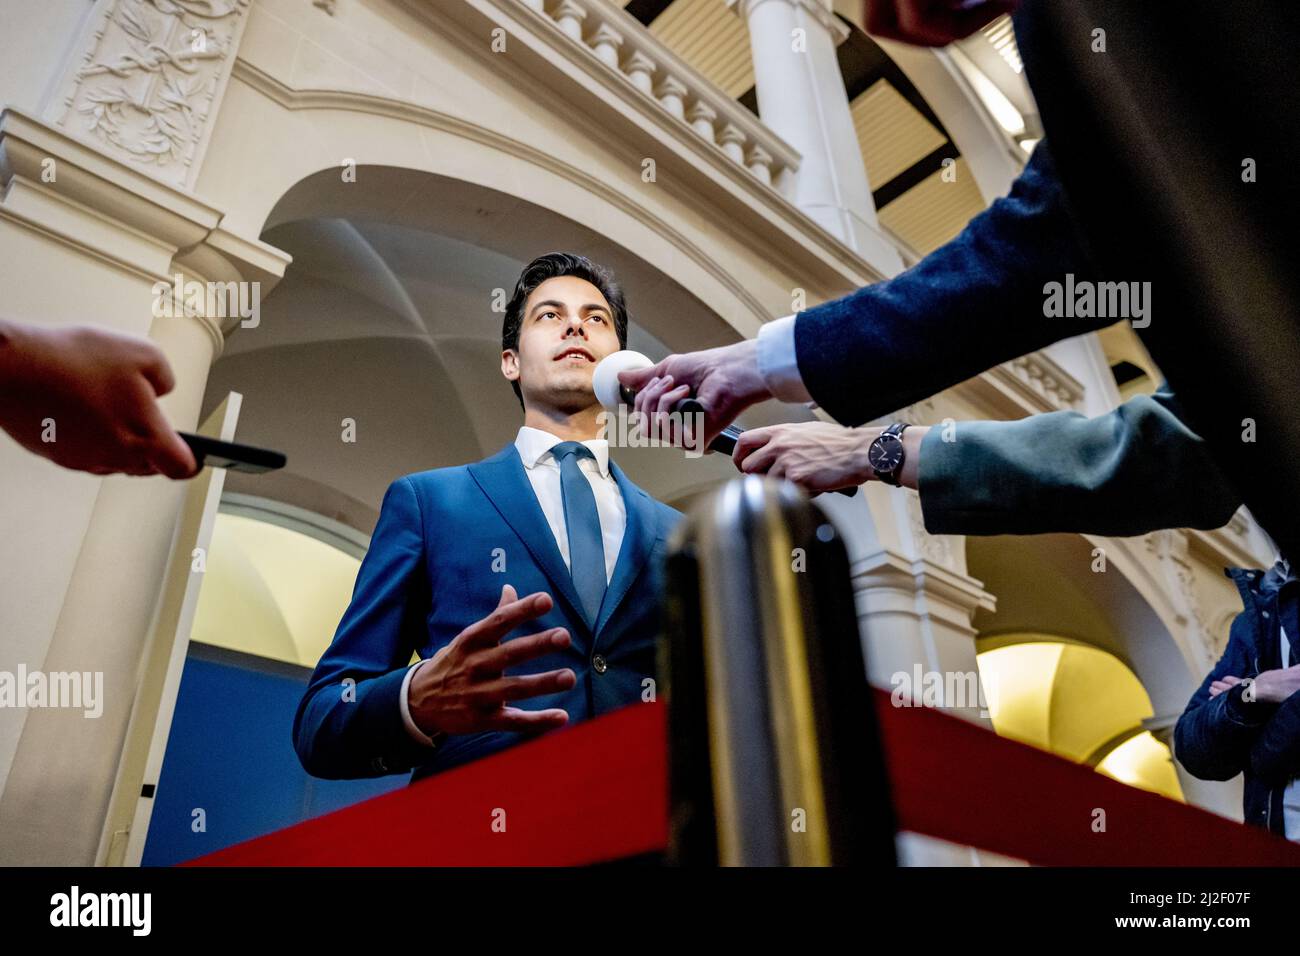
(597, 792)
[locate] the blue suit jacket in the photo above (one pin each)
(429, 574)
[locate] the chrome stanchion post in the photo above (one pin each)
(775, 756)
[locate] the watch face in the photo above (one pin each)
(885, 453)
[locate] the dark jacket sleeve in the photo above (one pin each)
(355, 729)
(969, 305)
(1275, 756)
(1133, 470)
(1214, 736)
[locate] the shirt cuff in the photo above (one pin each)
(418, 735)
(777, 362)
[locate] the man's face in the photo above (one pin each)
(567, 327)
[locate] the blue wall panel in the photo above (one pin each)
(230, 753)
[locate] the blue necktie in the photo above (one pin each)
(586, 545)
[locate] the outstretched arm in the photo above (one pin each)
(1133, 470)
(971, 304)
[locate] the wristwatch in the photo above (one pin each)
(886, 453)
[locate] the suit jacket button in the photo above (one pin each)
(599, 664)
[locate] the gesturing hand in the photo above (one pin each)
(462, 690)
(99, 390)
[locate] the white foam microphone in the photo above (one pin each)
(612, 393)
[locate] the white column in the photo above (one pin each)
(98, 547)
(731, 139)
(915, 606)
(605, 40)
(702, 118)
(640, 69)
(801, 98)
(570, 15)
(671, 92)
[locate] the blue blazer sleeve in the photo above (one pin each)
(355, 729)
(1130, 471)
(966, 307)
(1214, 736)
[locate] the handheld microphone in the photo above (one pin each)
(612, 393)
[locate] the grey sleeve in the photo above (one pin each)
(1133, 470)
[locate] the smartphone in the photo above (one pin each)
(226, 454)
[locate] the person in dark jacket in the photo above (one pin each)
(1245, 716)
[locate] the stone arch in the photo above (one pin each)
(1124, 610)
(304, 137)
(1117, 609)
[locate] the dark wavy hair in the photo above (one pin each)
(551, 266)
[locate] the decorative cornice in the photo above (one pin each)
(156, 227)
(1229, 546)
(888, 569)
(294, 99)
(88, 174)
(1024, 386)
(150, 78)
(545, 52)
(1059, 389)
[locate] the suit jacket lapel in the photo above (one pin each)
(639, 539)
(503, 480)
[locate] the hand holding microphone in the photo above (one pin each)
(631, 379)
(725, 381)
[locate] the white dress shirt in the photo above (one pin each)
(777, 362)
(543, 471)
(534, 446)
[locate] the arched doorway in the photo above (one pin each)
(275, 584)
(1082, 662)
(1078, 702)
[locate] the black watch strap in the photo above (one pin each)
(891, 477)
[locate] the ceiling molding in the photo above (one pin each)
(294, 99)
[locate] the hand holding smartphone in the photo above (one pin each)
(214, 453)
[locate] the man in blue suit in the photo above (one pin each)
(549, 516)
